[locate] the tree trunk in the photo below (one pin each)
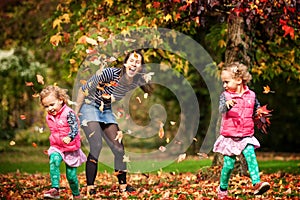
(236, 50)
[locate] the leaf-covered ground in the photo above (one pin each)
(160, 185)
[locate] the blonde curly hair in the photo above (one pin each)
(59, 93)
(238, 70)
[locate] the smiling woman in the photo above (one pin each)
(93, 106)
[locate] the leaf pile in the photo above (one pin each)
(160, 185)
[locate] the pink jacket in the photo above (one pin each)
(59, 128)
(238, 121)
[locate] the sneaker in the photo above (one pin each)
(52, 194)
(128, 188)
(261, 188)
(222, 194)
(77, 197)
(91, 190)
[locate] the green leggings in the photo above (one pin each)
(228, 166)
(71, 172)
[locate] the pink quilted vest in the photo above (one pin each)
(238, 121)
(59, 128)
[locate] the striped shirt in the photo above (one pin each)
(100, 87)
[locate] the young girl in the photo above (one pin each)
(238, 105)
(64, 140)
(95, 109)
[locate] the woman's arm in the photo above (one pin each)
(79, 101)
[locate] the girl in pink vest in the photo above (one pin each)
(64, 140)
(237, 105)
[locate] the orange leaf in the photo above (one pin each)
(34, 145)
(267, 90)
(161, 131)
(29, 84)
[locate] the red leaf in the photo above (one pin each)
(156, 4)
(288, 31)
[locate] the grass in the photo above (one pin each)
(31, 159)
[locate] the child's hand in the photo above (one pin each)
(67, 139)
(230, 103)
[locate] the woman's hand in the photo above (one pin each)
(67, 140)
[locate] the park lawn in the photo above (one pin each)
(29, 159)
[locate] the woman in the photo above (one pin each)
(94, 109)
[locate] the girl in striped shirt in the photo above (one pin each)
(94, 108)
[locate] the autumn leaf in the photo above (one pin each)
(138, 99)
(267, 90)
(145, 95)
(126, 158)
(101, 108)
(36, 95)
(105, 96)
(84, 122)
(181, 157)
(162, 148)
(12, 143)
(172, 123)
(91, 134)
(29, 84)
(40, 79)
(91, 41)
(119, 136)
(55, 39)
(221, 43)
(262, 119)
(161, 131)
(288, 30)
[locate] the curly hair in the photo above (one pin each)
(239, 70)
(57, 91)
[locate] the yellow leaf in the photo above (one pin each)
(140, 21)
(168, 17)
(222, 43)
(56, 23)
(55, 39)
(65, 18)
(109, 2)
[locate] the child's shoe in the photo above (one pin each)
(52, 194)
(77, 197)
(261, 188)
(222, 194)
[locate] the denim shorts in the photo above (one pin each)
(90, 113)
